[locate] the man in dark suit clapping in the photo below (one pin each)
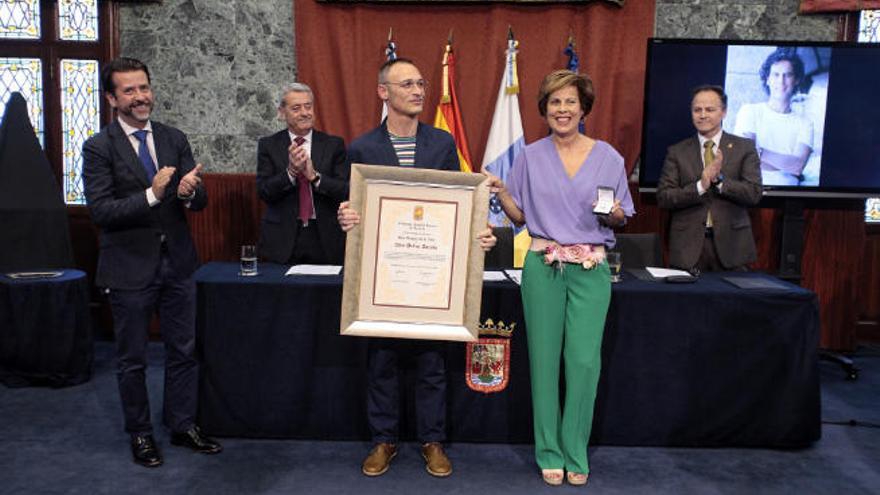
(708, 182)
(139, 178)
(302, 176)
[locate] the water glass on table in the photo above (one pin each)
(248, 261)
(614, 264)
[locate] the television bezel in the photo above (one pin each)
(770, 191)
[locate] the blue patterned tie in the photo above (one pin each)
(144, 155)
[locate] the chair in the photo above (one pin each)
(501, 256)
(639, 250)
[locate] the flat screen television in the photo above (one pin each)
(828, 134)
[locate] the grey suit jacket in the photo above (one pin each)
(741, 188)
(131, 230)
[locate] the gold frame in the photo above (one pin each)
(459, 321)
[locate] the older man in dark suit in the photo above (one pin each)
(139, 178)
(302, 176)
(708, 182)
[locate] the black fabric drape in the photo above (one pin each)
(33, 216)
(703, 364)
(45, 331)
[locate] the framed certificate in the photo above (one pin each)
(414, 267)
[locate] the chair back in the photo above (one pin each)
(639, 250)
(501, 256)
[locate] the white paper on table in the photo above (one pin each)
(314, 270)
(494, 276)
(515, 276)
(665, 272)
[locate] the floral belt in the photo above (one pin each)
(586, 255)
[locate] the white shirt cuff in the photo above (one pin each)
(152, 200)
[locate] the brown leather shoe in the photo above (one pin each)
(436, 461)
(379, 459)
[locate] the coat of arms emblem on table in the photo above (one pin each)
(487, 368)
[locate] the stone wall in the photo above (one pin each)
(217, 64)
(744, 19)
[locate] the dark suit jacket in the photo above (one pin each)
(434, 149)
(280, 226)
(677, 191)
(131, 231)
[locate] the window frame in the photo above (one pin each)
(50, 49)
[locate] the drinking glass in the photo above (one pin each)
(248, 261)
(614, 264)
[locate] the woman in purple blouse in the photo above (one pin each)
(552, 189)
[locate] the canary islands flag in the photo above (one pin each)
(505, 143)
(506, 134)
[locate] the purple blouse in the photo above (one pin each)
(560, 208)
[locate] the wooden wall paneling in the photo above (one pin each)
(232, 217)
(834, 241)
(868, 297)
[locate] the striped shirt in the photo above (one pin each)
(405, 148)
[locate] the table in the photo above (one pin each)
(45, 330)
(705, 364)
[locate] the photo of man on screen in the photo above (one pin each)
(782, 109)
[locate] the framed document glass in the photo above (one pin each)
(414, 267)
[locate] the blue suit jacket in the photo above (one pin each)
(434, 149)
(131, 231)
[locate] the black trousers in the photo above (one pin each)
(308, 248)
(383, 384)
(175, 300)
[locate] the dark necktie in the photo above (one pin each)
(144, 155)
(305, 191)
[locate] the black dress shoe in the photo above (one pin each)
(195, 440)
(144, 451)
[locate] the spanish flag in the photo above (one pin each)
(448, 115)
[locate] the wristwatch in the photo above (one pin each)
(718, 179)
(317, 178)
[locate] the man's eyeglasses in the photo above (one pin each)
(409, 84)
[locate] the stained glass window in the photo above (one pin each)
(20, 19)
(78, 20)
(869, 32)
(80, 119)
(24, 75)
(872, 210)
(869, 26)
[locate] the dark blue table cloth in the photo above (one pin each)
(704, 364)
(45, 330)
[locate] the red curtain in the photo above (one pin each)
(340, 46)
(825, 6)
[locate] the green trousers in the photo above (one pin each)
(565, 318)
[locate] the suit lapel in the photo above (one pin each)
(126, 151)
(281, 150)
(318, 150)
(161, 141)
(697, 157)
